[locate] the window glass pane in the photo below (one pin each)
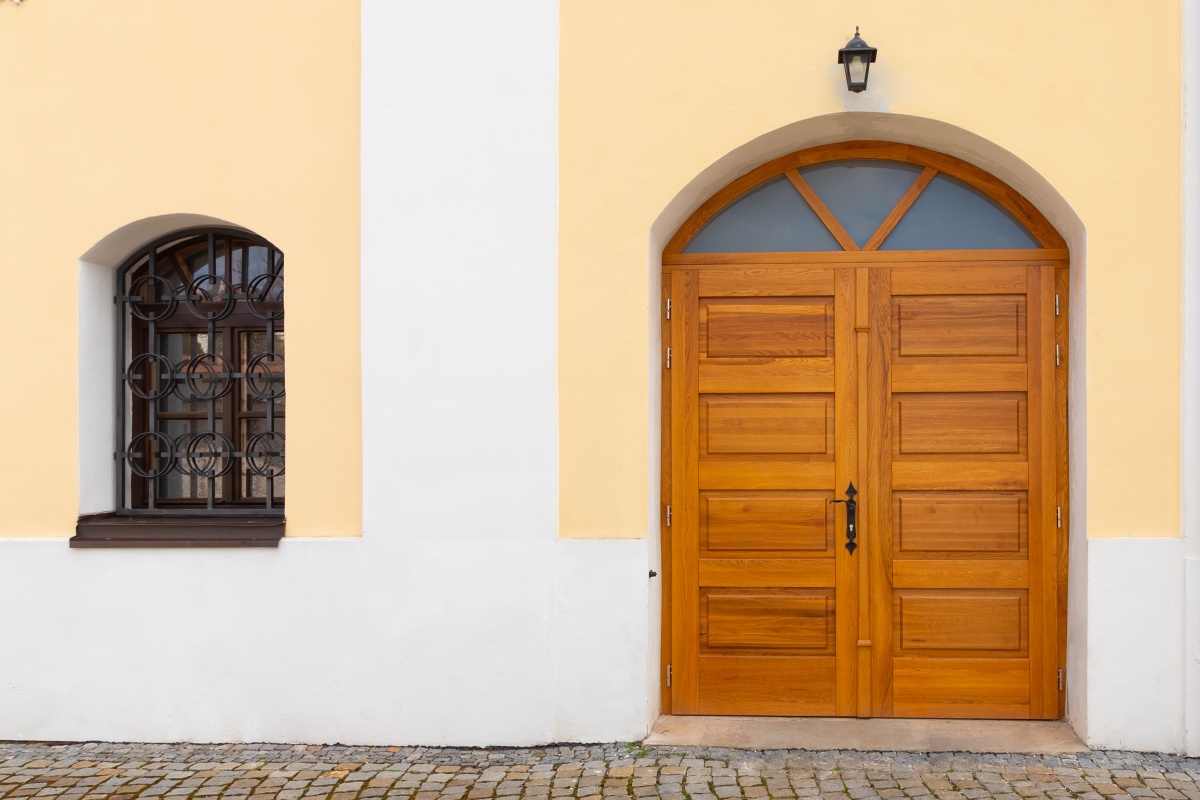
(265, 380)
(255, 485)
(181, 348)
(178, 484)
(244, 253)
(861, 192)
(771, 217)
(949, 215)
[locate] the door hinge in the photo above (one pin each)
(1058, 515)
(1056, 309)
(668, 358)
(1057, 355)
(668, 674)
(668, 308)
(1060, 680)
(668, 516)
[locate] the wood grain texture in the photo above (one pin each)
(665, 560)
(779, 686)
(767, 475)
(685, 459)
(959, 279)
(966, 476)
(983, 688)
(780, 329)
(880, 474)
(908, 377)
(951, 573)
(959, 522)
(1062, 328)
(972, 326)
(781, 621)
(775, 424)
(796, 522)
(846, 449)
(959, 424)
(766, 572)
(958, 619)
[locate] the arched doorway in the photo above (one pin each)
(888, 317)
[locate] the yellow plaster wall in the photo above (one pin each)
(110, 112)
(1087, 92)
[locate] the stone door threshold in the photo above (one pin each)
(841, 733)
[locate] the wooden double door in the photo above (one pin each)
(929, 386)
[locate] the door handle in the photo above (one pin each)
(851, 507)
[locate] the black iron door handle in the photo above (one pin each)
(851, 507)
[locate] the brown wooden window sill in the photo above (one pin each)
(112, 530)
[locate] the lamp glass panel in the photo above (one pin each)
(860, 192)
(950, 215)
(770, 218)
(858, 69)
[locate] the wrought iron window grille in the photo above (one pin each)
(199, 435)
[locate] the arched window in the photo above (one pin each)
(201, 412)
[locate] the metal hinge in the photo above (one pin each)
(1056, 310)
(668, 674)
(668, 358)
(1058, 515)
(668, 516)
(1060, 680)
(1057, 355)
(668, 308)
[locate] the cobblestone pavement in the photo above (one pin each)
(100, 771)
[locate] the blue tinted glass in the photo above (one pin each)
(860, 192)
(949, 215)
(770, 218)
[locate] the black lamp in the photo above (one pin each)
(857, 56)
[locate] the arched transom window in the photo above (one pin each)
(863, 196)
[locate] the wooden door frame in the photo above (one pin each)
(1053, 253)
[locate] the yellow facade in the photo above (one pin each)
(121, 110)
(1086, 93)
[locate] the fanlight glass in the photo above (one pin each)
(770, 218)
(860, 192)
(950, 215)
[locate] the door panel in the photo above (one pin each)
(767, 613)
(959, 385)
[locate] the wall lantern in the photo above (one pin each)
(857, 56)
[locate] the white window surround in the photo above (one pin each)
(97, 349)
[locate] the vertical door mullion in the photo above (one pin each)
(846, 599)
(685, 495)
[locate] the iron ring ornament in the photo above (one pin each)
(264, 454)
(208, 376)
(211, 304)
(140, 306)
(264, 376)
(209, 455)
(264, 296)
(165, 454)
(140, 371)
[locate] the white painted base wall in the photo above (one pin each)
(1135, 645)
(363, 642)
